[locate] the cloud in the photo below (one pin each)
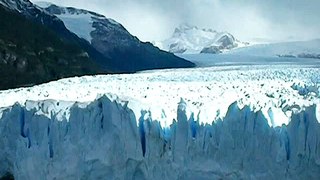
(247, 19)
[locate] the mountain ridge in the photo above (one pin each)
(31, 53)
(190, 39)
(40, 29)
(112, 40)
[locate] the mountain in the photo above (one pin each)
(110, 38)
(31, 53)
(32, 30)
(284, 49)
(191, 39)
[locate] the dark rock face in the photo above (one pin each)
(115, 49)
(31, 53)
(175, 48)
(107, 37)
(227, 42)
(301, 55)
(224, 43)
(191, 39)
(211, 50)
(126, 53)
(308, 55)
(37, 15)
(36, 47)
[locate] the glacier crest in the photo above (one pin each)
(103, 140)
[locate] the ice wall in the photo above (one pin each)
(102, 140)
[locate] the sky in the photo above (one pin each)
(247, 20)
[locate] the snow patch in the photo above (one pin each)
(43, 4)
(192, 40)
(276, 117)
(80, 24)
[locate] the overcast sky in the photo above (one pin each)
(155, 20)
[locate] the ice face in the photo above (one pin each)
(230, 122)
(102, 140)
(207, 91)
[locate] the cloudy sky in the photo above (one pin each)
(248, 20)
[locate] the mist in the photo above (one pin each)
(247, 20)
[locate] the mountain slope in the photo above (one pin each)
(38, 15)
(294, 48)
(113, 56)
(110, 38)
(31, 53)
(190, 39)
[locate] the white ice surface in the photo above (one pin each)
(208, 92)
(283, 48)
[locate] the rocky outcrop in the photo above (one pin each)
(211, 50)
(110, 38)
(191, 39)
(31, 53)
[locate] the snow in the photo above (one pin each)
(193, 39)
(244, 118)
(247, 59)
(283, 48)
(16, 5)
(43, 4)
(207, 91)
(103, 140)
(80, 24)
(78, 21)
(223, 122)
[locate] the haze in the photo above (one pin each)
(248, 20)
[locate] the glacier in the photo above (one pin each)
(102, 139)
(223, 122)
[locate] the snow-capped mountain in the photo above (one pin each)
(31, 53)
(245, 123)
(105, 42)
(295, 53)
(112, 40)
(21, 5)
(191, 39)
(103, 33)
(82, 22)
(38, 15)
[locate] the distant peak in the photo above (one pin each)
(186, 26)
(43, 4)
(191, 39)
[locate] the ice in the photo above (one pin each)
(283, 48)
(207, 91)
(80, 24)
(102, 140)
(277, 117)
(232, 122)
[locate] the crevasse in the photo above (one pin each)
(102, 140)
